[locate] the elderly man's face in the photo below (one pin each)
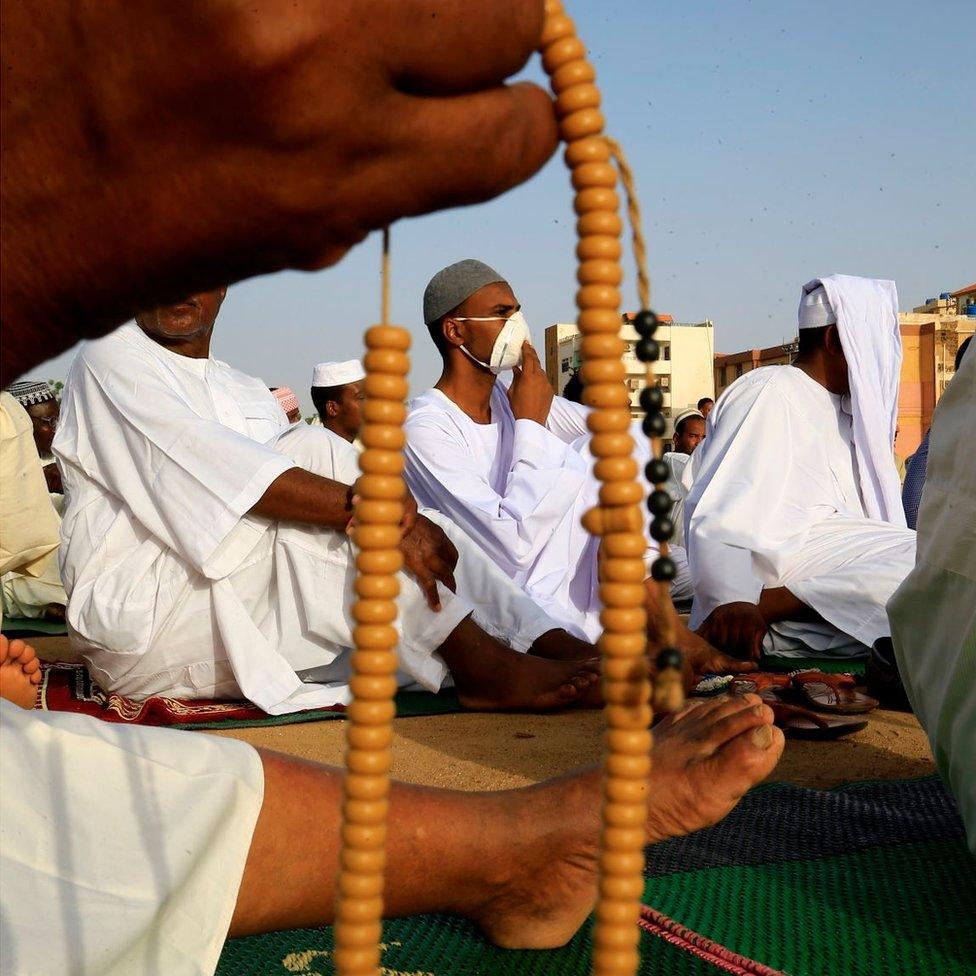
(44, 417)
(194, 316)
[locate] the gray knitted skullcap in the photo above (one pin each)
(453, 284)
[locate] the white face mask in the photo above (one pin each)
(506, 353)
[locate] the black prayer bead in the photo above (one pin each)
(645, 323)
(651, 399)
(653, 425)
(648, 351)
(663, 569)
(659, 502)
(662, 529)
(656, 471)
(670, 657)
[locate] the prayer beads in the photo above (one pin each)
(617, 520)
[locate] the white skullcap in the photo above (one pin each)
(685, 414)
(338, 374)
(815, 309)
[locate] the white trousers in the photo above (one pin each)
(847, 572)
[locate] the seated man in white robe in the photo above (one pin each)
(510, 464)
(204, 548)
(35, 592)
(338, 394)
(795, 530)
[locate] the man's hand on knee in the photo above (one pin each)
(430, 557)
(738, 628)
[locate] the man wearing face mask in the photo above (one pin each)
(508, 461)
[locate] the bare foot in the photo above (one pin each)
(704, 759)
(490, 677)
(560, 645)
(525, 683)
(20, 672)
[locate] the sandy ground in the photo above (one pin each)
(488, 751)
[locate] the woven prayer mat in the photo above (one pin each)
(829, 665)
(70, 688)
(872, 879)
(30, 627)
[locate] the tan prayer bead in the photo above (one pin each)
(373, 662)
(373, 687)
(385, 387)
(609, 397)
(376, 536)
(366, 611)
(357, 912)
(594, 174)
(384, 412)
(573, 73)
(623, 545)
(374, 637)
(377, 587)
(384, 436)
(384, 486)
(577, 98)
(625, 620)
(599, 222)
(624, 493)
(372, 510)
(622, 570)
(609, 419)
(600, 273)
(603, 371)
(379, 561)
(381, 462)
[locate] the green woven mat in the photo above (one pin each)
(409, 704)
(435, 945)
(890, 911)
(29, 627)
(829, 665)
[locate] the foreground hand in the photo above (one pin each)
(530, 393)
(300, 128)
(738, 628)
(430, 557)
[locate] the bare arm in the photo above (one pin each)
(300, 496)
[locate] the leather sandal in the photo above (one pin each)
(798, 722)
(834, 693)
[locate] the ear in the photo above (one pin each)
(332, 408)
(832, 341)
(453, 332)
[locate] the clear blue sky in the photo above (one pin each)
(772, 141)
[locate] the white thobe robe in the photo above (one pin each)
(174, 589)
(775, 500)
(933, 613)
(519, 490)
(121, 848)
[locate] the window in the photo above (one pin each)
(738, 369)
(667, 352)
(565, 367)
(721, 376)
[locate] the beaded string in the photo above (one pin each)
(668, 688)
(617, 519)
(369, 730)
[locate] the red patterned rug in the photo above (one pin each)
(69, 688)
